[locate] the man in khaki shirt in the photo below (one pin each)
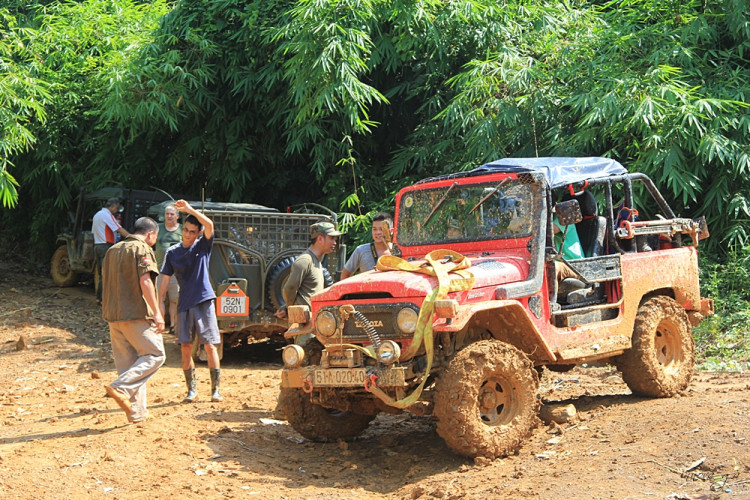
(135, 320)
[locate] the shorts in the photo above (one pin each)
(200, 321)
(173, 292)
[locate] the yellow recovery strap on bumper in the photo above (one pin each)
(455, 264)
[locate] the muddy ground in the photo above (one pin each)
(61, 437)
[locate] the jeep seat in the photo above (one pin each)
(592, 230)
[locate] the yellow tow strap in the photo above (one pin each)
(455, 263)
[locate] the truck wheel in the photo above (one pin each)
(486, 401)
(61, 272)
(275, 282)
(660, 362)
(317, 423)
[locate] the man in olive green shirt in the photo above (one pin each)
(135, 321)
(170, 233)
(306, 277)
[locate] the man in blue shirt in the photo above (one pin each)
(196, 312)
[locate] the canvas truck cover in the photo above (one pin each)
(558, 171)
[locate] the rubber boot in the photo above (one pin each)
(192, 385)
(215, 382)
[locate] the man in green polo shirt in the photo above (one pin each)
(170, 233)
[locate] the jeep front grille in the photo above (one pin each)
(381, 316)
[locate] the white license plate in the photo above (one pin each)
(233, 306)
(355, 377)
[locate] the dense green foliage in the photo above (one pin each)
(67, 53)
(726, 335)
(345, 101)
(22, 101)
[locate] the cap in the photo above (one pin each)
(323, 229)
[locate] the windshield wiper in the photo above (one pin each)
(440, 202)
(488, 196)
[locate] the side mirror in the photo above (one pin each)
(568, 212)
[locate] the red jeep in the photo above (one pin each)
(483, 296)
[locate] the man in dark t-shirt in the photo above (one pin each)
(196, 312)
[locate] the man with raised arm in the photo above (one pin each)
(196, 311)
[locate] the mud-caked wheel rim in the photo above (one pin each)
(668, 347)
(496, 403)
(64, 267)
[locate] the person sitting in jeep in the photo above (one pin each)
(569, 246)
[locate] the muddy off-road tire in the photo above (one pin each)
(487, 400)
(60, 270)
(660, 362)
(317, 423)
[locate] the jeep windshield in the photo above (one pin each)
(500, 212)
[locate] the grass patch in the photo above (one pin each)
(721, 341)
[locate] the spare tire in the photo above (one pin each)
(275, 282)
(278, 276)
(327, 280)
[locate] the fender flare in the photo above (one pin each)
(514, 318)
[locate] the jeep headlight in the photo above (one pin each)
(407, 320)
(292, 355)
(325, 322)
(388, 352)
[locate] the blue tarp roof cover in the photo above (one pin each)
(558, 171)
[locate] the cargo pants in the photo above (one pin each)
(138, 351)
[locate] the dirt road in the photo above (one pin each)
(61, 437)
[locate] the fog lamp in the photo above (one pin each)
(388, 352)
(325, 322)
(292, 355)
(407, 320)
